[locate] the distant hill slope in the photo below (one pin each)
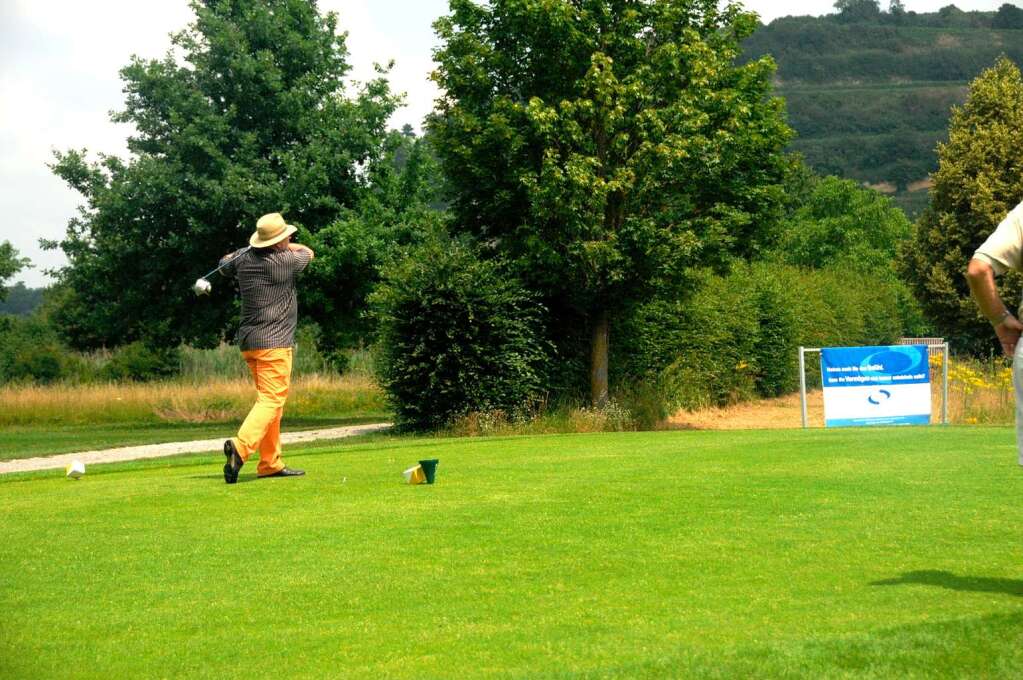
(870, 93)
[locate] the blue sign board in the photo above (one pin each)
(876, 385)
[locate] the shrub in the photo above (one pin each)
(138, 362)
(30, 351)
(778, 329)
(713, 364)
(738, 336)
(457, 334)
(36, 363)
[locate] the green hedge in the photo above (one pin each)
(30, 352)
(738, 336)
(457, 334)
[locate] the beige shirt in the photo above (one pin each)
(1003, 249)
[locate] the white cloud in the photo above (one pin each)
(59, 79)
(371, 42)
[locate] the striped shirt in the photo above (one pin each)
(266, 278)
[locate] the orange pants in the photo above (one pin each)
(261, 430)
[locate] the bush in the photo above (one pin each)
(457, 334)
(137, 362)
(31, 352)
(739, 335)
(36, 363)
(778, 328)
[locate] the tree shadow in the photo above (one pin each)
(945, 579)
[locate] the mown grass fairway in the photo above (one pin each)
(878, 553)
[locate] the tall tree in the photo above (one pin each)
(1008, 17)
(858, 10)
(255, 119)
(607, 146)
(10, 264)
(979, 180)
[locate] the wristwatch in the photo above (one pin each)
(998, 322)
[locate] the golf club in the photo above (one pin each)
(202, 286)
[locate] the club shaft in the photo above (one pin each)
(214, 271)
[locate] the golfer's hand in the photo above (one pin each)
(1008, 333)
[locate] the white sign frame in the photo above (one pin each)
(803, 351)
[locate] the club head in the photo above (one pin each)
(202, 287)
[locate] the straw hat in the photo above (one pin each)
(270, 229)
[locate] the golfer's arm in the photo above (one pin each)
(226, 268)
(299, 246)
(981, 278)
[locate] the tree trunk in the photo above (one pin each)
(598, 359)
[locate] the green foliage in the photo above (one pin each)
(844, 225)
(254, 119)
(607, 148)
(10, 264)
(1008, 16)
(457, 334)
(738, 337)
(202, 365)
(137, 362)
(30, 351)
(21, 300)
(397, 211)
(857, 10)
(980, 179)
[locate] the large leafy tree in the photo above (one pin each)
(254, 119)
(979, 180)
(607, 146)
(858, 10)
(395, 212)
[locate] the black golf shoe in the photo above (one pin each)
(285, 472)
(234, 462)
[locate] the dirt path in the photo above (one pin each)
(767, 414)
(782, 413)
(126, 453)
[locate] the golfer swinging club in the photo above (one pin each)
(266, 335)
(1002, 251)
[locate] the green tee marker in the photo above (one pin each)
(429, 468)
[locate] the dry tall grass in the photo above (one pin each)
(217, 400)
(543, 419)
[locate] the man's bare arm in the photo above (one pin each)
(300, 246)
(981, 278)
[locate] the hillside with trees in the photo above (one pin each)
(870, 92)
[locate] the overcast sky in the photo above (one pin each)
(58, 81)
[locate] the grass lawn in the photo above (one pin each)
(27, 441)
(853, 553)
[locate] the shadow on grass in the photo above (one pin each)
(220, 477)
(945, 579)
